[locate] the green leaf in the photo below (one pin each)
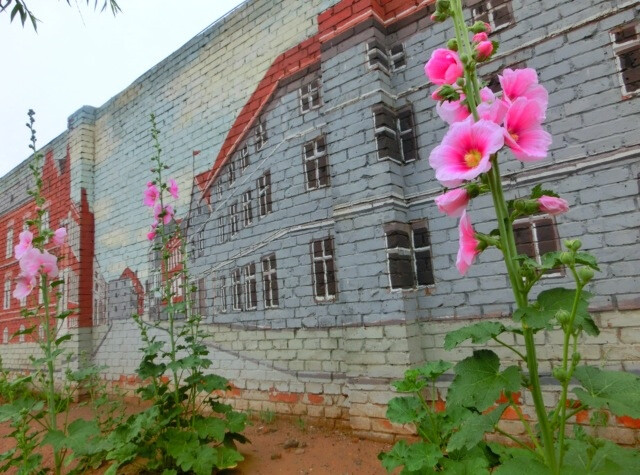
(63, 338)
(587, 259)
(205, 461)
(467, 466)
(434, 369)
(472, 429)
(479, 382)
(82, 437)
(403, 410)
(213, 382)
(537, 192)
(228, 457)
(236, 421)
(478, 333)
(613, 390)
(411, 382)
(209, 428)
(599, 457)
(183, 446)
(420, 456)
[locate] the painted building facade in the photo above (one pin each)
(300, 142)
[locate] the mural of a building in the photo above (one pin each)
(300, 143)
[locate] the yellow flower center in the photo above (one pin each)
(472, 158)
(514, 136)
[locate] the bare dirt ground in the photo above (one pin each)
(282, 447)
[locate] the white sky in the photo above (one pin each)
(83, 57)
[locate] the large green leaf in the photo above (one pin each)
(209, 428)
(479, 382)
(434, 369)
(478, 333)
(420, 457)
(417, 378)
(227, 457)
(467, 466)
(403, 410)
(517, 461)
(542, 313)
(472, 429)
(614, 390)
(605, 458)
(82, 437)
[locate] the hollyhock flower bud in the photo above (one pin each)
(454, 202)
(468, 249)
(173, 188)
(480, 37)
(24, 244)
(465, 151)
(59, 236)
(24, 285)
(151, 194)
(552, 205)
(435, 95)
(523, 83)
(484, 50)
(523, 132)
(444, 67)
(34, 261)
(151, 235)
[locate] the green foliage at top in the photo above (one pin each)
(19, 8)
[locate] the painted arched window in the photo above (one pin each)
(21, 337)
(5, 335)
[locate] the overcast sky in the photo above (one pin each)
(83, 57)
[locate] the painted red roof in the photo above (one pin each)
(333, 21)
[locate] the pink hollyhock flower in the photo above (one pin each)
(59, 236)
(35, 260)
(465, 151)
(491, 108)
(167, 216)
(523, 133)
(173, 188)
(151, 194)
(553, 205)
(484, 50)
(468, 249)
(454, 202)
(24, 244)
(24, 285)
(151, 235)
(523, 83)
(444, 67)
(480, 37)
(452, 111)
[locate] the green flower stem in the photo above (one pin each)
(527, 426)
(568, 331)
(506, 345)
(516, 440)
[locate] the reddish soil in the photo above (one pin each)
(310, 450)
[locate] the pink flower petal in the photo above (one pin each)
(24, 244)
(444, 67)
(24, 285)
(454, 202)
(553, 205)
(59, 236)
(467, 250)
(173, 188)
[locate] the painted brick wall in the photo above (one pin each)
(334, 359)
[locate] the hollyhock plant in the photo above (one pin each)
(523, 132)
(523, 83)
(480, 37)
(484, 49)
(24, 285)
(35, 260)
(468, 249)
(452, 111)
(491, 108)
(553, 205)
(166, 214)
(453, 202)
(173, 188)
(151, 194)
(444, 67)
(59, 236)
(465, 151)
(24, 244)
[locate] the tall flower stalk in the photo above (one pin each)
(482, 124)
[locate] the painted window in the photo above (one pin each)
(316, 163)
(222, 237)
(395, 135)
(261, 135)
(21, 336)
(323, 269)
(250, 287)
(310, 96)
(626, 46)
(220, 299)
(535, 236)
(5, 335)
(9, 247)
(6, 303)
(409, 255)
(236, 286)
(247, 209)
(497, 13)
(234, 218)
(264, 193)
(397, 57)
(270, 281)
(232, 171)
(244, 157)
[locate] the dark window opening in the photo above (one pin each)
(270, 281)
(395, 134)
(497, 13)
(409, 255)
(323, 268)
(535, 236)
(316, 164)
(264, 194)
